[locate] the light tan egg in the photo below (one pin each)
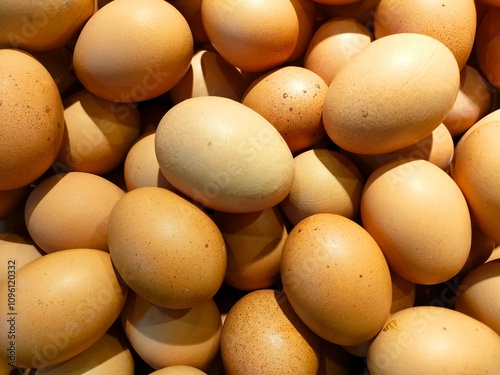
(98, 133)
(291, 98)
(12, 200)
(117, 33)
(64, 303)
(17, 248)
(31, 119)
(178, 370)
(165, 248)
(166, 337)
(375, 105)
(333, 44)
(262, 334)
(254, 242)
(191, 10)
(71, 210)
(325, 181)
(42, 26)
(209, 74)
(217, 152)
(481, 249)
(336, 278)
(456, 20)
(477, 159)
(419, 218)
(433, 340)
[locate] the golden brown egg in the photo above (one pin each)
(336, 278)
(191, 10)
(20, 248)
(487, 46)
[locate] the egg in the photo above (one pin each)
(449, 341)
(64, 303)
(420, 219)
(487, 46)
(31, 119)
(325, 181)
(97, 133)
(178, 370)
(262, 334)
(291, 98)
(216, 151)
(456, 20)
(191, 10)
(403, 293)
(481, 249)
(376, 105)
(336, 278)
(165, 248)
(362, 11)
(20, 248)
(166, 337)
(117, 33)
(42, 26)
(12, 200)
(70, 210)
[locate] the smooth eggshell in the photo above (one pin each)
(65, 302)
(178, 370)
(191, 10)
(336, 278)
(14, 246)
(217, 151)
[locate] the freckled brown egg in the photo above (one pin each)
(166, 337)
(42, 26)
(263, 335)
(31, 119)
(178, 370)
(71, 210)
(336, 278)
(65, 302)
(334, 43)
(174, 256)
(419, 218)
(113, 61)
(325, 181)
(97, 133)
(456, 20)
(376, 105)
(14, 246)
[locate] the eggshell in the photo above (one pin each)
(31, 119)
(495, 254)
(477, 159)
(254, 242)
(112, 60)
(362, 11)
(456, 20)
(167, 337)
(217, 151)
(420, 219)
(333, 44)
(12, 200)
(191, 10)
(174, 256)
(403, 293)
(42, 26)
(376, 105)
(487, 46)
(14, 246)
(325, 181)
(336, 278)
(97, 133)
(291, 98)
(262, 334)
(434, 340)
(178, 370)
(64, 303)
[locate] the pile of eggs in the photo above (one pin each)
(250, 187)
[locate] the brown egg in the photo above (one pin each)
(334, 43)
(307, 16)
(254, 242)
(11, 200)
(191, 10)
(174, 255)
(478, 294)
(336, 278)
(117, 33)
(263, 335)
(420, 219)
(166, 337)
(178, 370)
(487, 46)
(456, 20)
(481, 249)
(71, 210)
(403, 293)
(434, 340)
(473, 102)
(31, 119)
(217, 152)
(97, 133)
(325, 181)
(209, 74)
(42, 26)
(291, 98)
(375, 105)
(64, 303)
(14, 246)
(477, 157)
